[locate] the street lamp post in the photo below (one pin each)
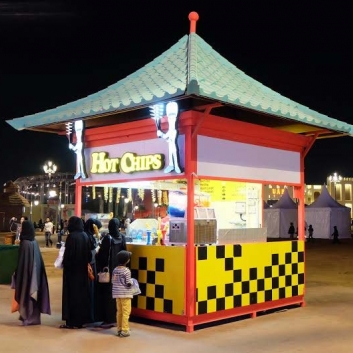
(334, 178)
(50, 168)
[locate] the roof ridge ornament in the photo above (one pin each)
(193, 18)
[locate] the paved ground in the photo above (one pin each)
(324, 325)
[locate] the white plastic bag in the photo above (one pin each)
(135, 287)
(59, 260)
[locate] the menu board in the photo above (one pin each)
(224, 190)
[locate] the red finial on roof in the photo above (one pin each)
(193, 17)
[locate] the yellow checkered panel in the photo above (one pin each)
(160, 271)
(230, 276)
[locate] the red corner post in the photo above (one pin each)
(299, 195)
(190, 267)
(78, 198)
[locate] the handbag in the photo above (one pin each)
(14, 305)
(104, 276)
(90, 272)
(59, 260)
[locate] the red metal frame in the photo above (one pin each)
(190, 268)
(190, 323)
(217, 127)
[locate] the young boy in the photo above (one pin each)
(121, 280)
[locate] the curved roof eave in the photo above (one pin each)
(220, 80)
(189, 67)
(163, 78)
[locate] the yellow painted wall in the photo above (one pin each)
(160, 271)
(230, 276)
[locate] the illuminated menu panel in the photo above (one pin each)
(224, 190)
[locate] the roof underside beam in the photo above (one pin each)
(310, 130)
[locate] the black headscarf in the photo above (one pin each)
(88, 228)
(113, 226)
(75, 224)
(27, 231)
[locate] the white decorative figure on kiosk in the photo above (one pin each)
(171, 136)
(77, 148)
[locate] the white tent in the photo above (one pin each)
(265, 205)
(325, 213)
(278, 217)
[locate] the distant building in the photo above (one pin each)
(48, 196)
(340, 190)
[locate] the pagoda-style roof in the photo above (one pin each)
(11, 196)
(190, 69)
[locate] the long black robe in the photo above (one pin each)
(31, 284)
(89, 230)
(111, 245)
(76, 295)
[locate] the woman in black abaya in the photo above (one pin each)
(76, 294)
(91, 228)
(111, 244)
(30, 279)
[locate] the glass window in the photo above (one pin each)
(338, 192)
(348, 192)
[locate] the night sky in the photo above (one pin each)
(55, 52)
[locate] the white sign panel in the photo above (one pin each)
(228, 159)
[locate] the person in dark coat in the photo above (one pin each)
(76, 286)
(291, 230)
(311, 232)
(91, 228)
(335, 235)
(107, 256)
(30, 279)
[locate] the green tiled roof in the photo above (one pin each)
(162, 79)
(190, 67)
(219, 79)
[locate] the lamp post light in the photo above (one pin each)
(334, 178)
(49, 168)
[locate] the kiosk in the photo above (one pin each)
(195, 124)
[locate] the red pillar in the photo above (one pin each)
(78, 198)
(301, 205)
(190, 268)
